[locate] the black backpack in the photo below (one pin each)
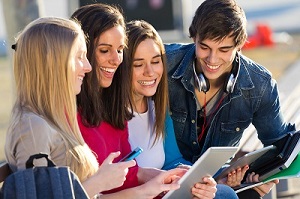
(49, 182)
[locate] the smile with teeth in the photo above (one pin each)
(213, 67)
(146, 83)
(109, 70)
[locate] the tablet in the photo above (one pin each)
(208, 164)
(246, 159)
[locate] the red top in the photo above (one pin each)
(105, 139)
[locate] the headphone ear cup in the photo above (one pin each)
(203, 83)
(232, 77)
(229, 83)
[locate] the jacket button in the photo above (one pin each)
(237, 129)
(193, 121)
(194, 143)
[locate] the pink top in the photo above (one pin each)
(105, 139)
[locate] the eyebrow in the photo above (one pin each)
(109, 45)
(104, 44)
(223, 47)
(140, 59)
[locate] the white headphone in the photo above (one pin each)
(202, 83)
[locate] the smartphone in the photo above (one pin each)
(133, 154)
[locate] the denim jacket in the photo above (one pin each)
(254, 100)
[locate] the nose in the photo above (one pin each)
(212, 57)
(116, 58)
(148, 70)
(87, 66)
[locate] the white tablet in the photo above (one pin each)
(246, 159)
(207, 165)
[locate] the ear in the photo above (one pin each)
(194, 39)
(239, 47)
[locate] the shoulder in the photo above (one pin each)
(34, 125)
(175, 48)
(254, 68)
(179, 57)
(31, 134)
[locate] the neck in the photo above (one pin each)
(140, 104)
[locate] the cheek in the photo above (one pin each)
(200, 54)
(121, 57)
(160, 70)
(135, 76)
(100, 58)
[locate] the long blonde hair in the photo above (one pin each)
(43, 65)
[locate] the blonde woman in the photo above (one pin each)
(49, 66)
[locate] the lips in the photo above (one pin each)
(108, 70)
(147, 83)
(213, 67)
(80, 78)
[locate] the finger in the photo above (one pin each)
(209, 181)
(250, 177)
(168, 187)
(244, 170)
(239, 175)
(255, 178)
(127, 164)
(233, 177)
(229, 179)
(176, 171)
(171, 176)
(204, 191)
(111, 157)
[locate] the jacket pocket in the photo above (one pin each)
(231, 132)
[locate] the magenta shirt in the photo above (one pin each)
(105, 139)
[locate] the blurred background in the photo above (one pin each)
(273, 28)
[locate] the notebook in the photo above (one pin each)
(275, 160)
(246, 159)
(293, 171)
(208, 164)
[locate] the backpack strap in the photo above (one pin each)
(29, 162)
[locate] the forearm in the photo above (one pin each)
(136, 192)
(146, 174)
(93, 186)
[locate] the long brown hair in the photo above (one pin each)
(138, 31)
(97, 104)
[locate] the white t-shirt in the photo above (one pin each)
(141, 134)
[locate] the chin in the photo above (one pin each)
(77, 92)
(105, 84)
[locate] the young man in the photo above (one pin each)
(215, 91)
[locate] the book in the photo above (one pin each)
(242, 161)
(293, 171)
(286, 162)
(278, 158)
